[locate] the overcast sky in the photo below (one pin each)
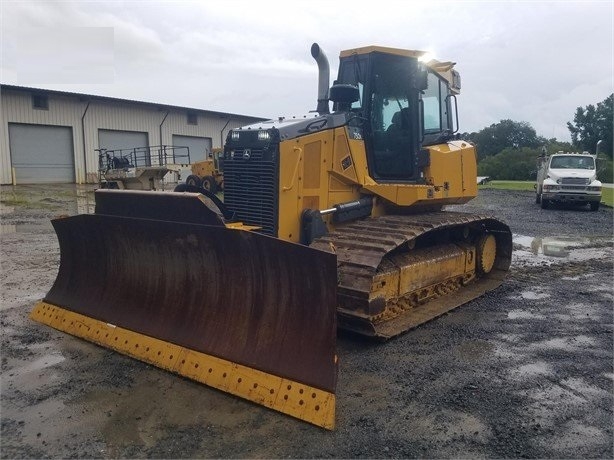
(533, 61)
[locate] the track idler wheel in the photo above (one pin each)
(487, 252)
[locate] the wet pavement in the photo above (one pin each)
(524, 371)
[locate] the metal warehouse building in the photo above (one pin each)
(52, 136)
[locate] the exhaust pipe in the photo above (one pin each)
(323, 78)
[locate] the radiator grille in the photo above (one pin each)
(251, 186)
(574, 181)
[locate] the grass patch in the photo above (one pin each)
(510, 185)
(607, 194)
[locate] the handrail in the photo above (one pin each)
(134, 157)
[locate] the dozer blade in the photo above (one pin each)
(236, 310)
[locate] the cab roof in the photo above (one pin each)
(443, 68)
(436, 65)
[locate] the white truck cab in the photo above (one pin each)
(568, 178)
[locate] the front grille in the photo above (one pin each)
(251, 186)
(574, 181)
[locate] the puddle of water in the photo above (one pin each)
(532, 295)
(10, 229)
(551, 244)
(585, 340)
(555, 344)
(575, 311)
(41, 363)
(8, 302)
(43, 420)
(538, 368)
(548, 250)
(570, 344)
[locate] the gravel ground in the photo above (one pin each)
(524, 371)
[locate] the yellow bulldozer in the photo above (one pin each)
(333, 219)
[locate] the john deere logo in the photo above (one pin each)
(247, 153)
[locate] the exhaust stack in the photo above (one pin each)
(323, 78)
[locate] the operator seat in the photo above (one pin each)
(398, 131)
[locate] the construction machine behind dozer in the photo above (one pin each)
(208, 173)
(332, 219)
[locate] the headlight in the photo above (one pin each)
(263, 135)
(550, 188)
(234, 135)
(593, 188)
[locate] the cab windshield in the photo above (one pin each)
(388, 107)
(572, 162)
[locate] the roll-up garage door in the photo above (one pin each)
(199, 146)
(117, 140)
(42, 154)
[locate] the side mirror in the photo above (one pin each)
(343, 95)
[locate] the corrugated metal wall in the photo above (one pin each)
(87, 114)
(63, 111)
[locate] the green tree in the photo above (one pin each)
(511, 164)
(593, 123)
(553, 146)
(505, 134)
(605, 169)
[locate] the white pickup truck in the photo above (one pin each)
(568, 178)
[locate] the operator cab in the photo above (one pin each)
(402, 105)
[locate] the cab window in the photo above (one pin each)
(435, 105)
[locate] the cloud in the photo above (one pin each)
(528, 61)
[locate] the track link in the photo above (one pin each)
(372, 252)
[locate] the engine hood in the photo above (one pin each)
(555, 174)
(298, 125)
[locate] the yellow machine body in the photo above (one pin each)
(334, 219)
(312, 176)
(208, 173)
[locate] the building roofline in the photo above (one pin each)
(28, 89)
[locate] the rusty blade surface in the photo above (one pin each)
(176, 207)
(237, 295)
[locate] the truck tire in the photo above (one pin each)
(193, 180)
(594, 205)
(538, 198)
(545, 203)
(209, 184)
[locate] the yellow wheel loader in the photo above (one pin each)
(332, 219)
(208, 173)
